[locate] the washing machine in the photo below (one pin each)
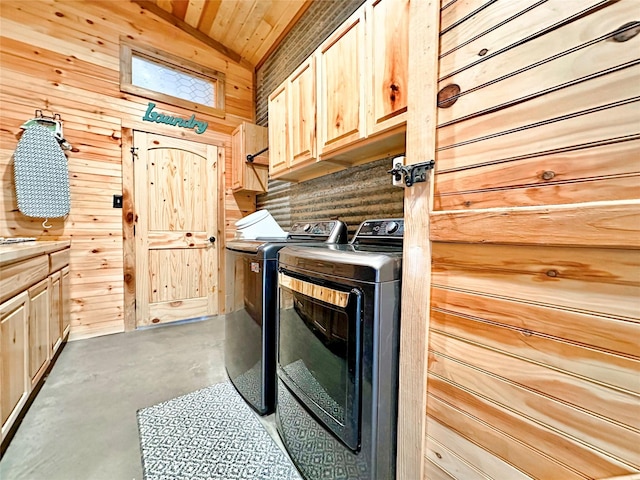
(251, 307)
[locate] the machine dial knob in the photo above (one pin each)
(392, 227)
(307, 227)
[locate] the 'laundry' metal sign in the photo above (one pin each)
(191, 122)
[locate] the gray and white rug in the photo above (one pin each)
(209, 434)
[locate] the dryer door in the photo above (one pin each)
(320, 352)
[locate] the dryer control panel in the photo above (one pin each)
(386, 228)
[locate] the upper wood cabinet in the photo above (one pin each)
(248, 139)
(354, 109)
(301, 91)
(388, 49)
(292, 121)
(278, 132)
(340, 85)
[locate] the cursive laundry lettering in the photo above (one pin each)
(191, 122)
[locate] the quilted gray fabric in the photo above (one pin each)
(41, 175)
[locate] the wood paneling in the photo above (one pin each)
(603, 224)
(63, 57)
(533, 359)
(466, 456)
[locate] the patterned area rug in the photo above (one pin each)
(209, 434)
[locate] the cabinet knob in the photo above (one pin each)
(212, 239)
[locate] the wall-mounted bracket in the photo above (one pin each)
(415, 173)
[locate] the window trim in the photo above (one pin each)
(128, 49)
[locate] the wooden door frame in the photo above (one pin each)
(424, 35)
(129, 219)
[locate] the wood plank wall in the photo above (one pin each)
(534, 359)
(63, 57)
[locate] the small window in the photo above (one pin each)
(153, 74)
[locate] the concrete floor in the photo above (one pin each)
(82, 425)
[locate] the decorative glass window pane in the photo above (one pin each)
(161, 78)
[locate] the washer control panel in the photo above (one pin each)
(332, 231)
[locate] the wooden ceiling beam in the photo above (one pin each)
(185, 27)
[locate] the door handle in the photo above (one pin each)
(212, 239)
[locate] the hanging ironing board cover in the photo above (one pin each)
(41, 175)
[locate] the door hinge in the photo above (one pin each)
(134, 230)
(134, 153)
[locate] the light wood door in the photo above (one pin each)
(302, 113)
(388, 61)
(39, 306)
(55, 313)
(341, 89)
(176, 200)
(278, 131)
(14, 360)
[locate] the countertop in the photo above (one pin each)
(16, 252)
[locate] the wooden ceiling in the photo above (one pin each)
(246, 30)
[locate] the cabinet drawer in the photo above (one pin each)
(60, 259)
(21, 275)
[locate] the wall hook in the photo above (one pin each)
(44, 224)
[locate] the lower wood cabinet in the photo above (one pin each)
(65, 302)
(33, 324)
(55, 311)
(14, 358)
(38, 329)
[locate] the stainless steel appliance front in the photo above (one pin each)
(338, 341)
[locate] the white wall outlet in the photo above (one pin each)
(398, 163)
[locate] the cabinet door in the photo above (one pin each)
(237, 160)
(246, 139)
(39, 305)
(387, 59)
(14, 355)
(55, 313)
(302, 113)
(65, 299)
(341, 101)
(278, 134)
